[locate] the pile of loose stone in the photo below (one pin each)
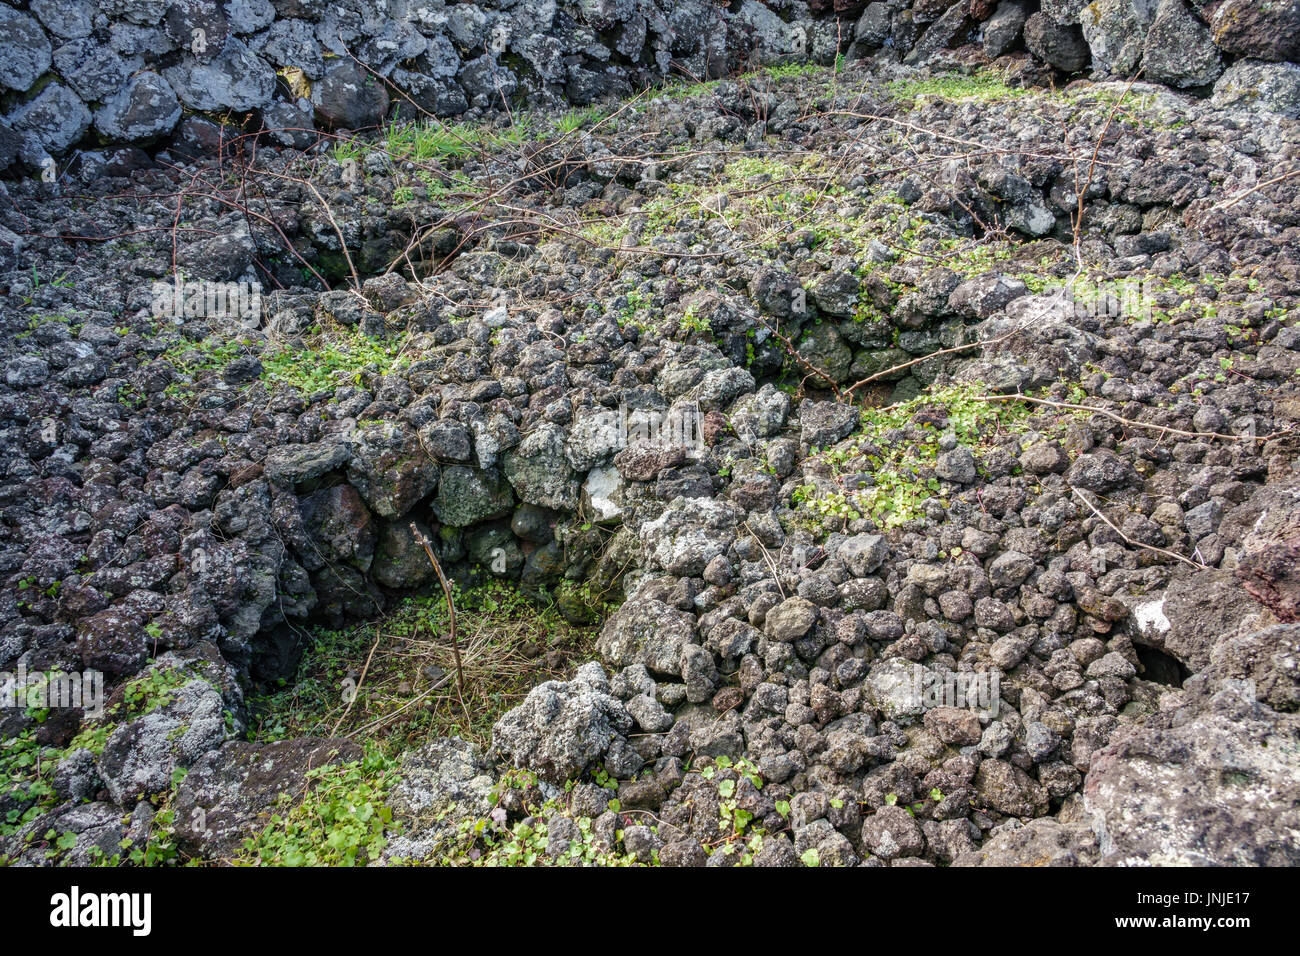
(1127, 570)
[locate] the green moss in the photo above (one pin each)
(898, 454)
(981, 87)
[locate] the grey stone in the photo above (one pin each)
(1263, 31)
(1250, 84)
(1003, 29)
(1115, 31)
(561, 727)
(467, 496)
(236, 78)
(25, 51)
(539, 470)
(145, 107)
(646, 632)
(1216, 784)
(55, 118)
(1061, 46)
(1179, 49)
(69, 19)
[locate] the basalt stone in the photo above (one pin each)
(1061, 46)
(228, 793)
(390, 469)
(197, 26)
(823, 348)
(236, 78)
(340, 525)
(1252, 84)
(400, 560)
(1115, 31)
(249, 16)
(144, 108)
(92, 70)
(68, 19)
(467, 496)
(292, 43)
(562, 727)
(1004, 28)
(25, 51)
(55, 118)
(1210, 788)
(539, 470)
(1268, 30)
(646, 632)
(1178, 48)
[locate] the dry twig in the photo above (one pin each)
(451, 610)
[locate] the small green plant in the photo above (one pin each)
(886, 470)
(982, 87)
(343, 818)
(692, 322)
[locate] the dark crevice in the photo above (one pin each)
(1161, 668)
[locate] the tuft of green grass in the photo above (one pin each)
(329, 360)
(983, 87)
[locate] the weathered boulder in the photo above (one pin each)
(1178, 49)
(1252, 84)
(539, 470)
(646, 632)
(440, 784)
(1210, 785)
(562, 726)
(230, 793)
(1262, 31)
(390, 469)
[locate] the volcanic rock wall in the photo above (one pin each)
(82, 72)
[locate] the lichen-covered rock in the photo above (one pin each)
(468, 496)
(1211, 785)
(562, 727)
(300, 463)
(145, 107)
(440, 785)
(1178, 49)
(539, 470)
(891, 832)
(1264, 31)
(1041, 842)
(24, 50)
(646, 632)
(229, 794)
(55, 119)
(390, 469)
(1006, 788)
(236, 78)
(1115, 31)
(1252, 84)
(140, 756)
(689, 534)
